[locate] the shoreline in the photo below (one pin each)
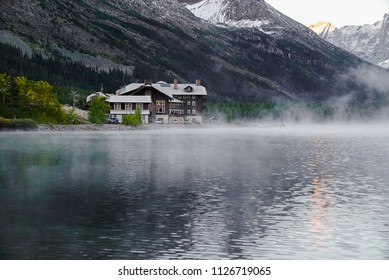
(108, 127)
(327, 128)
(105, 127)
(121, 127)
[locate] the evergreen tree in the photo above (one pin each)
(2, 88)
(60, 70)
(12, 93)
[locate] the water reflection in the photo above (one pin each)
(318, 212)
(194, 195)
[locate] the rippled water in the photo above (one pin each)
(266, 193)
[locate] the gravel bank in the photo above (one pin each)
(115, 127)
(120, 127)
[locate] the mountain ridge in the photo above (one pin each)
(250, 13)
(369, 41)
(163, 40)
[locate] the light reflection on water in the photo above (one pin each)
(194, 194)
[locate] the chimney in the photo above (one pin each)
(147, 82)
(175, 84)
(198, 83)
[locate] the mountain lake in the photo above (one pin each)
(304, 192)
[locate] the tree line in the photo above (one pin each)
(363, 107)
(59, 70)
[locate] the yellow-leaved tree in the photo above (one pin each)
(37, 101)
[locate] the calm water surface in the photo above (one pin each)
(266, 193)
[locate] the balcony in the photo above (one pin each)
(128, 112)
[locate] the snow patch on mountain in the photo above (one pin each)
(208, 10)
(218, 12)
(384, 64)
(249, 13)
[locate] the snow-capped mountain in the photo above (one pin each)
(369, 41)
(249, 13)
(254, 14)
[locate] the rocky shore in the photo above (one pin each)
(114, 127)
(120, 127)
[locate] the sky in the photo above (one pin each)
(338, 12)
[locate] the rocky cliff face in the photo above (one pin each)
(370, 41)
(249, 13)
(323, 29)
(189, 1)
(162, 39)
(259, 15)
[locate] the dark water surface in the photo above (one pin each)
(266, 193)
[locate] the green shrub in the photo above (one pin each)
(24, 123)
(73, 117)
(134, 120)
(5, 123)
(17, 123)
(98, 110)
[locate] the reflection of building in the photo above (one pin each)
(319, 204)
(160, 102)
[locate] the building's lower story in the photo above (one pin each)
(185, 120)
(159, 119)
(118, 115)
(173, 119)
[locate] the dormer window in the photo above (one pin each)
(188, 89)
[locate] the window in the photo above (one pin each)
(140, 106)
(188, 103)
(160, 106)
(176, 112)
(188, 112)
(193, 112)
(176, 106)
(193, 96)
(117, 106)
(193, 103)
(128, 107)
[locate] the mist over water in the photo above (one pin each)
(293, 192)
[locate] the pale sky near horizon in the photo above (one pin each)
(338, 12)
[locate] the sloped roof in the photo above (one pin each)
(91, 96)
(167, 89)
(176, 101)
